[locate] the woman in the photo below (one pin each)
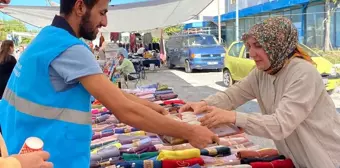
(297, 112)
(7, 63)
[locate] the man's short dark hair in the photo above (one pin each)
(66, 6)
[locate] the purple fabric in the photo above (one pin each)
(125, 139)
(101, 118)
(98, 136)
(106, 153)
(141, 149)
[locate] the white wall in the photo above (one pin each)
(211, 10)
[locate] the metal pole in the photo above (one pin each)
(219, 22)
(237, 21)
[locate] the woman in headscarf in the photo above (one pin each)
(297, 112)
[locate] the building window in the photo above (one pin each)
(315, 26)
(230, 32)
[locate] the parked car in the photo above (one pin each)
(194, 51)
(238, 65)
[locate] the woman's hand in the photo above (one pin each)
(196, 107)
(217, 116)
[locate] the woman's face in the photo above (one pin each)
(257, 53)
(11, 51)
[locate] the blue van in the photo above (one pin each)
(194, 51)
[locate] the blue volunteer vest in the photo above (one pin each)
(32, 108)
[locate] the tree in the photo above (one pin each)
(9, 26)
(327, 24)
(173, 30)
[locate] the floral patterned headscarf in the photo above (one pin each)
(279, 39)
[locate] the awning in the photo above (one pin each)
(139, 16)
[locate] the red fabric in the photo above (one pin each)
(274, 164)
(182, 163)
(114, 36)
(167, 102)
(132, 42)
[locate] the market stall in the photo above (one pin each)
(115, 144)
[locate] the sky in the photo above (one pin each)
(44, 3)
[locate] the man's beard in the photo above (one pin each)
(86, 30)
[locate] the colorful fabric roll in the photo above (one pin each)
(126, 139)
(105, 153)
(182, 163)
(112, 120)
(162, 87)
(141, 149)
(143, 156)
(257, 154)
(233, 141)
(276, 164)
(98, 128)
(136, 133)
(174, 101)
(104, 163)
(125, 130)
(266, 159)
(221, 161)
(162, 92)
(103, 141)
(100, 135)
(219, 151)
(137, 143)
(175, 147)
(114, 144)
(167, 96)
(179, 155)
(140, 164)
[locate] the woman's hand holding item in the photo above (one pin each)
(196, 107)
(216, 116)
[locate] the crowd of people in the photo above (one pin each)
(47, 94)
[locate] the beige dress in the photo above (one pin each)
(297, 113)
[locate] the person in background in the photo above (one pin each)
(49, 96)
(147, 54)
(125, 67)
(7, 63)
(297, 112)
(101, 40)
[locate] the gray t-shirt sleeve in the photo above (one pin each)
(74, 63)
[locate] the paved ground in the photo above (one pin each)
(198, 85)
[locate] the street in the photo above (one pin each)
(200, 84)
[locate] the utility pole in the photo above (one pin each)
(219, 23)
(237, 20)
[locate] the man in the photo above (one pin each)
(125, 67)
(48, 94)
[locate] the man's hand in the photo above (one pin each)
(217, 116)
(200, 137)
(196, 107)
(34, 160)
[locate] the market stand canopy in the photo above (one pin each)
(139, 16)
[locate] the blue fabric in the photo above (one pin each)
(68, 143)
(74, 63)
